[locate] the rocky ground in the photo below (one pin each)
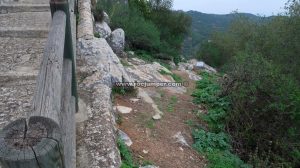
(164, 142)
(23, 31)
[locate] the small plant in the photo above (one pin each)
(144, 55)
(173, 101)
(176, 77)
(124, 91)
(150, 124)
(168, 66)
(127, 160)
(215, 143)
(97, 35)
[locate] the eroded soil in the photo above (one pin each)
(153, 141)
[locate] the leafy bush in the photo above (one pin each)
(153, 28)
(211, 54)
(265, 111)
(208, 142)
(215, 143)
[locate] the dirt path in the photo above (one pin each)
(153, 141)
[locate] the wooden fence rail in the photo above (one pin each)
(46, 139)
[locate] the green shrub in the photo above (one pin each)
(97, 35)
(127, 160)
(208, 141)
(265, 110)
(215, 143)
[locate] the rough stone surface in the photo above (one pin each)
(180, 139)
(99, 58)
(103, 29)
(117, 41)
(24, 2)
(106, 18)
(126, 139)
(25, 24)
(194, 64)
(85, 27)
(140, 71)
(20, 54)
(193, 76)
(96, 136)
(20, 57)
(147, 72)
(149, 166)
(15, 98)
(98, 68)
(142, 94)
(124, 110)
(134, 100)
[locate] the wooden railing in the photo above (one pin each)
(46, 139)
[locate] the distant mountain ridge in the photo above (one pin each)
(203, 25)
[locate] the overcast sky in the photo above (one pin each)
(262, 7)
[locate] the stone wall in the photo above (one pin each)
(97, 68)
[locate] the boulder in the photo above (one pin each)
(134, 100)
(117, 41)
(103, 29)
(124, 110)
(126, 139)
(106, 18)
(101, 64)
(193, 76)
(204, 66)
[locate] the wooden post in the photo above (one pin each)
(47, 98)
(69, 51)
(39, 144)
(36, 145)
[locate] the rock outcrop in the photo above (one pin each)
(103, 29)
(117, 41)
(85, 28)
(100, 60)
(141, 71)
(98, 68)
(106, 18)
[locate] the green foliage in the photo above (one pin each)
(127, 160)
(203, 26)
(208, 142)
(275, 38)
(97, 35)
(166, 65)
(123, 90)
(215, 143)
(211, 55)
(258, 103)
(144, 55)
(265, 104)
(176, 77)
(217, 149)
(150, 123)
(172, 103)
(149, 25)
